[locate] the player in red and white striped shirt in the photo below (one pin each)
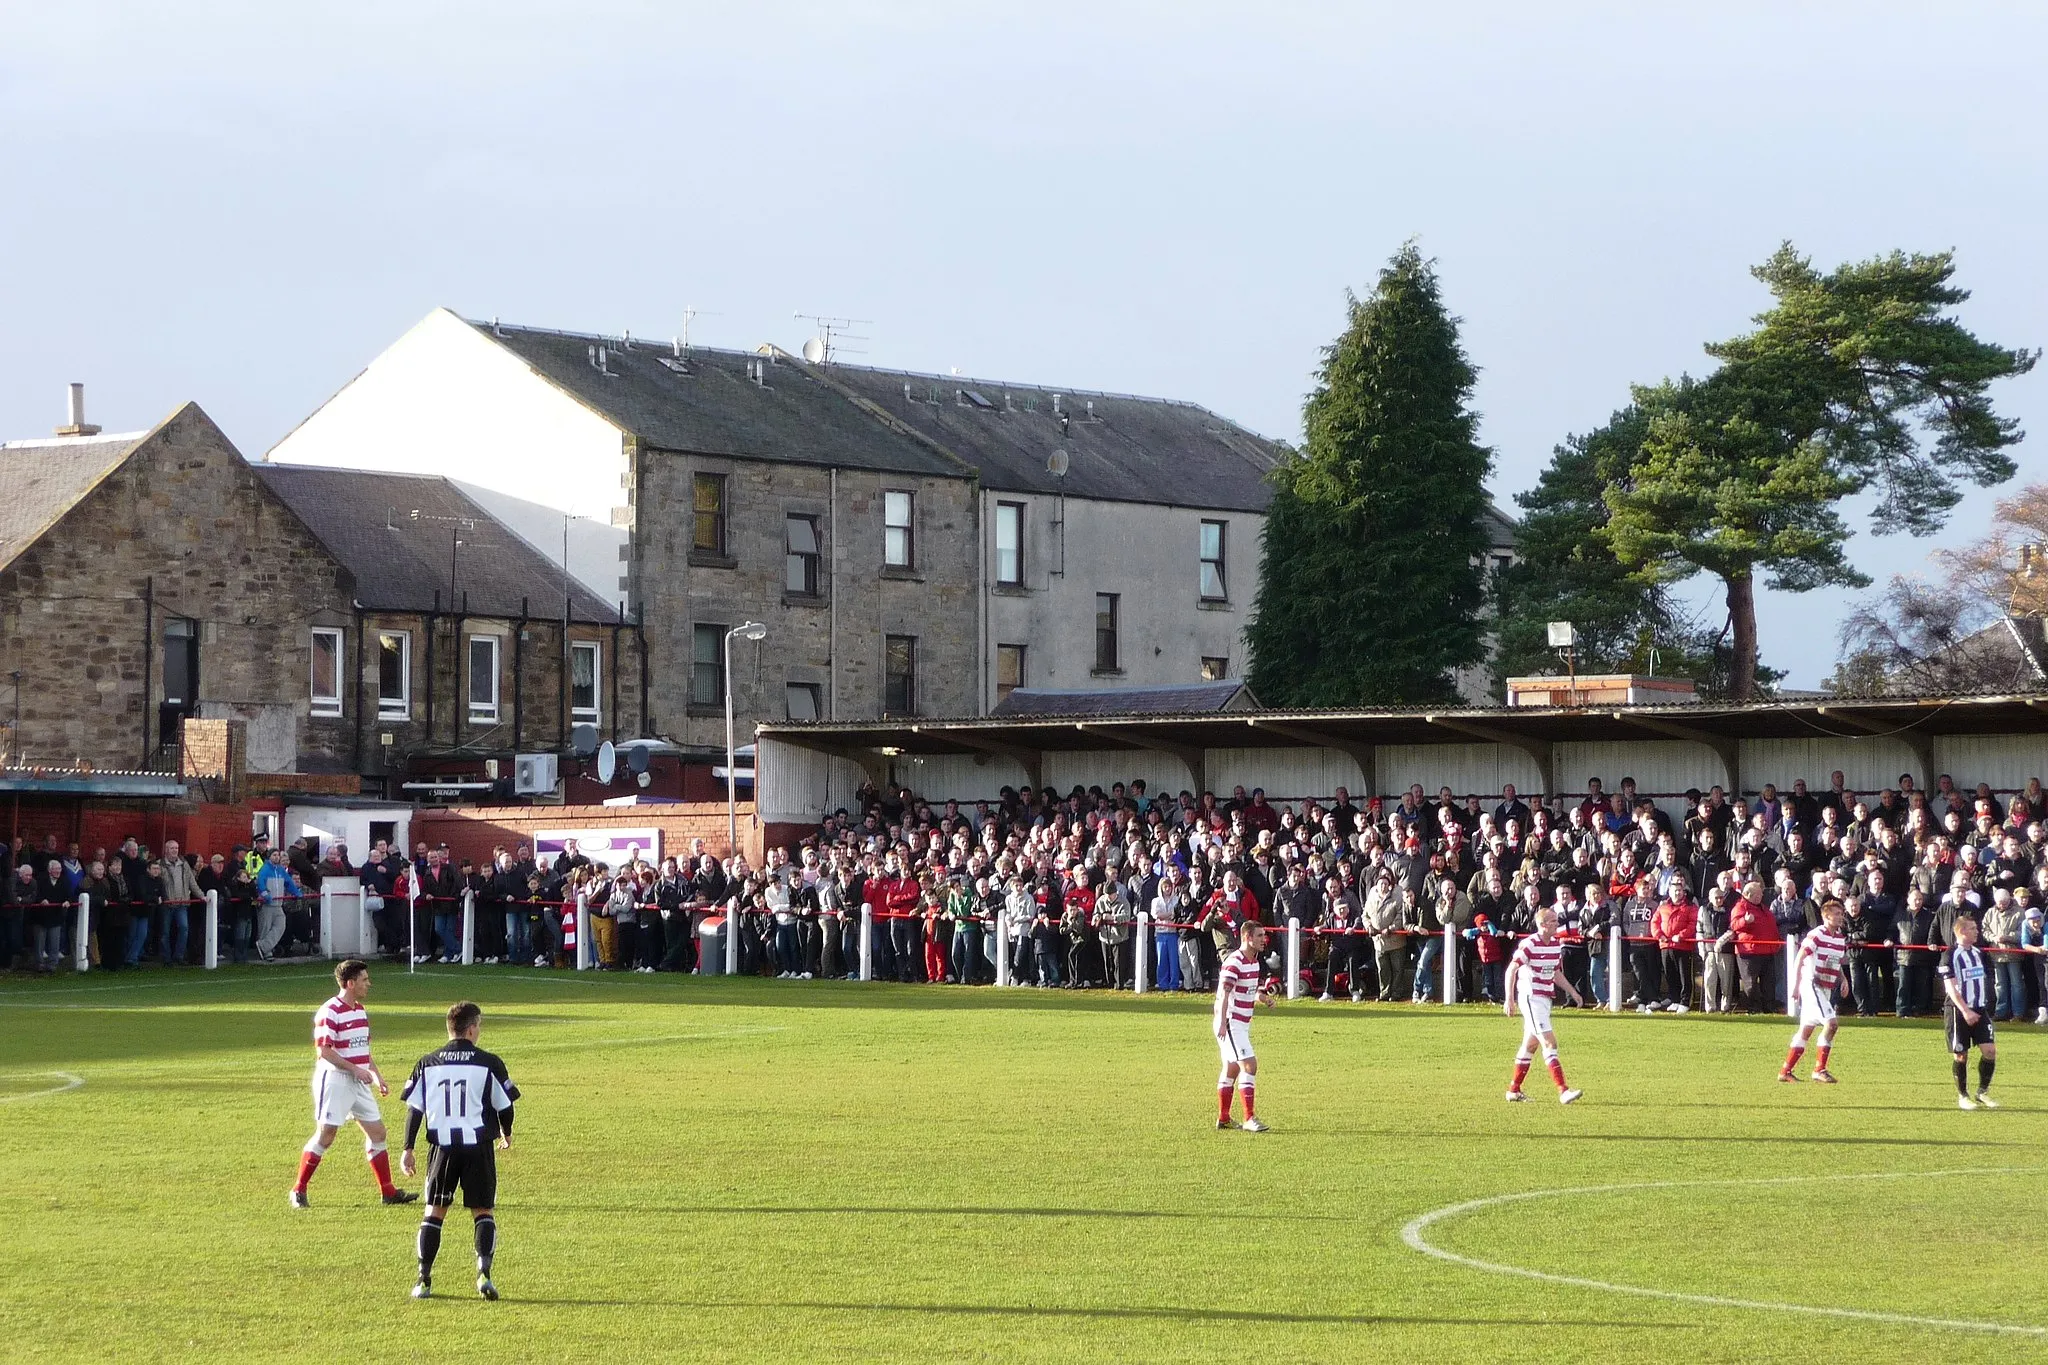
(343, 1077)
(1238, 992)
(1532, 979)
(1816, 980)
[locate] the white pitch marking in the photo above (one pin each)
(1412, 1235)
(71, 1082)
(23, 999)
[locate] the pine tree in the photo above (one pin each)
(1371, 585)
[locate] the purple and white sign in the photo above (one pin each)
(611, 846)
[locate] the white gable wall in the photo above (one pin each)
(444, 399)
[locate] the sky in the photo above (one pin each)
(242, 204)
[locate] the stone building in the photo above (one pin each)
(151, 577)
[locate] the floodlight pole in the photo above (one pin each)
(752, 630)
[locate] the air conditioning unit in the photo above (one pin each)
(535, 774)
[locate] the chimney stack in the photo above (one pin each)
(77, 426)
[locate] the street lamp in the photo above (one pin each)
(749, 630)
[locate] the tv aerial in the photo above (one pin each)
(832, 333)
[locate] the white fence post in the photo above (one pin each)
(1141, 955)
(83, 955)
(1614, 951)
(1002, 948)
(326, 921)
(1449, 965)
(212, 930)
(1791, 966)
(412, 924)
(732, 937)
(1294, 957)
(867, 941)
(468, 927)
(584, 949)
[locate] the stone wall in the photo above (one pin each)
(935, 602)
(183, 521)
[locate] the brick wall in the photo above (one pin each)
(471, 831)
(935, 603)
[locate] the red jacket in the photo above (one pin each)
(1675, 925)
(1756, 929)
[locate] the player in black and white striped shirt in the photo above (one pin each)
(462, 1096)
(1967, 1015)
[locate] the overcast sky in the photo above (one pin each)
(241, 204)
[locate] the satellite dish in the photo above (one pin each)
(583, 740)
(645, 779)
(814, 351)
(607, 762)
(636, 759)
(1057, 464)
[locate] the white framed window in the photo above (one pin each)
(394, 675)
(483, 679)
(899, 530)
(1010, 544)
(586, 673)
(327, 669)
(1213, 582)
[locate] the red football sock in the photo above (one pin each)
(1556, 1071)
(380, 1164)
(1246, 1089)
(1820, 1057)
(1223, 1103)
(309, 1162)
(1521, 1074)
(1792, 1057)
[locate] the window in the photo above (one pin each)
(1215, 669)
(483, 679)
(709, 535)
(181, 663)
(1009, 669)
(899, 545)
(394, 675)
(801, 700)
(707, 666)
(800, 544)
(1105, 632)
(1010, 544)
(1212, 562)
(326, 672)
(585, 672)
(899, 675)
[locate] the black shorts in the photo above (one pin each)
(474, 1169)
(1964, 1036)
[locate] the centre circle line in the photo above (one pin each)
(1412, 1234)
(71, 1082)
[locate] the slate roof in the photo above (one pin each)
(1120, 448)
(42, 480)
(714, 408)
(364, 518)
(1179, 699)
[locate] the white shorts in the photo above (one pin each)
(1816, 1007)
(1235, 1043)
(1535, 1014)
(338, 1098)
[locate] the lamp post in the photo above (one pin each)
(749, 630)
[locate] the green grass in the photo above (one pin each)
(724, 1170)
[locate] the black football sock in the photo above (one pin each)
(1985, 1066)
(486, 1243)
(429, 1244)
(1962, 1076)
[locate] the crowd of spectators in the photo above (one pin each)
(1706, 896)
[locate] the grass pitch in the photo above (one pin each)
(738, 1170)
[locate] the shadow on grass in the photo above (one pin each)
(860, 1211)
(1177, 1314)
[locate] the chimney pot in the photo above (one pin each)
(75, 411)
